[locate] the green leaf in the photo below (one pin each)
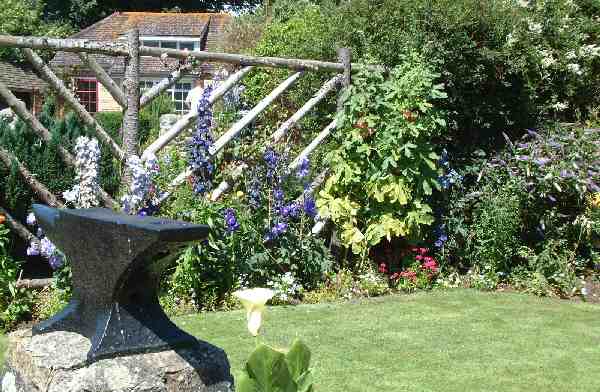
(267, 367)
(246, 384)
(305, 382)
(298, 359)
(427, 188)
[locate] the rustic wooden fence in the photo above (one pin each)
(128, 97)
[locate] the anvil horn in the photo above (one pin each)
(46, 216)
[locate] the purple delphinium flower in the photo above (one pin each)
(199, 146)
(290, 211)
(303, 168)
(253, 191)
(541, 161)
(56, 261)
(310, 207)
(47, 248)
(231, 223)
(278, 195)
(271, 159)
(566, 174)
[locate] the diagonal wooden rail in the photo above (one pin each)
(128, 97)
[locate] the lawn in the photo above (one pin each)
(457, 340)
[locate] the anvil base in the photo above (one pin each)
(119, 329)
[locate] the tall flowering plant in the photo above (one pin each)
(143, 196)
(199, 158)
(85, 192)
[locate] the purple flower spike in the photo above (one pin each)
(231, 223)
(310, 207)
(56, 261)
(541, 161)
(304, 168)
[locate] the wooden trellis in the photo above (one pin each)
(128, 97)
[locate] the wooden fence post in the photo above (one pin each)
(345, 57)
(131, 85)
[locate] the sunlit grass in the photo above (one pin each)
(458, 340)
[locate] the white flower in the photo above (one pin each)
(547, 59)
(575, 68)
(590, 51)
(254, 301)
(535, 28)
(560, 106)
(584, 291)
(31, 221)
(164, 56)
(87, 156)
(523, 3)
(571, 55)
(511, 39)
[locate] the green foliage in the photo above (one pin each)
(25, 17)
(527, 214)
(209, 272)
(384, 166)
(496, 229)
(270, 370)
(15, 303)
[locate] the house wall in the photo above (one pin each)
(106, 103)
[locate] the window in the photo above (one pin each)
(168, 44)
(186, 45)
(87, 92)
(172, 43)
(178, 93)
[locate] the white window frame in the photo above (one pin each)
(178, 39)
(171, 91)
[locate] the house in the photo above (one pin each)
(192, 31)
(24, 84)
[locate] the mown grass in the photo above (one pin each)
(458, 340)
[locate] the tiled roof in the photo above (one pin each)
(18, 77)
(150, 24)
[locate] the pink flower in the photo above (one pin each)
(382, 268)
(414, 250)
(430, 265)
(423, 250)
(419, 257)
(395, 276)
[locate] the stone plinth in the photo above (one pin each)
(58, 362)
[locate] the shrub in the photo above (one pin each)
(527, 211)
(384, 166)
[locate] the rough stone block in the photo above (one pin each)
(57, 362)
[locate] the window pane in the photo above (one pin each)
(186, 45)
(186, 86)
(179, 96)
(178, 105)
(153, 44)
(168, 44)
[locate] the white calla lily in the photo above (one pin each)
(254, 301)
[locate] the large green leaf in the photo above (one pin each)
(298, 359)
(246, 384)
(268, 368)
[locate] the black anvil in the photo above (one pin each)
(116, 261)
